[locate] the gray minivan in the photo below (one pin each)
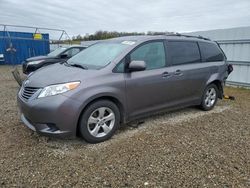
(120, 80)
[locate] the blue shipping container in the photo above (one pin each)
(18, 46)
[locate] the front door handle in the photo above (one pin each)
(178, 73)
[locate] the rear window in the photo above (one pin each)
(210, 52)
(183, 52)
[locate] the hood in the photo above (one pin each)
(58, 73)
(39, 58)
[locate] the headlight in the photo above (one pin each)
(57, 89)
(35, 62)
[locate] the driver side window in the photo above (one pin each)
(152, 53)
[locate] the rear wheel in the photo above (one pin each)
(210, 97)
(99, 121)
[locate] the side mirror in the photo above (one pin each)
(137, 66)
(63, 56)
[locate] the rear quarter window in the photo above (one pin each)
(210, 52)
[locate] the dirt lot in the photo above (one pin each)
(188, 148)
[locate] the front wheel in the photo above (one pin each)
(99, 121)
(210, 97)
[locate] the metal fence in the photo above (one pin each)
(238, 54)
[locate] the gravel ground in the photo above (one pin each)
(185, 148)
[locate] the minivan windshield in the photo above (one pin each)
(56, 52)
(99, 55)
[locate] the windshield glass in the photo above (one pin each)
(98, 55)
(56, 52)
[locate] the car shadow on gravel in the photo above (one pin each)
(71, 146)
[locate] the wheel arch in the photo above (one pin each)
(111, 98)
(219, 85)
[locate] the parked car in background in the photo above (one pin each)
(1, 59)
(119, 80)
(58, 55)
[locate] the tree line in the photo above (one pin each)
(101, 35)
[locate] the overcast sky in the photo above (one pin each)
(81, 17)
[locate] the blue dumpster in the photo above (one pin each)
(15, 47)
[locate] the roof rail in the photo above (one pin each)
(181, 35)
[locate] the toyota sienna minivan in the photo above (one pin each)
(119, 80)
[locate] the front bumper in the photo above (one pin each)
(44, 129)
(52, 116)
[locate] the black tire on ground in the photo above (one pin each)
(85, 130)
(204, 102)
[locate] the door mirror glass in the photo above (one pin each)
(137, 66)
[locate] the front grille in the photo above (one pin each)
(28, 92)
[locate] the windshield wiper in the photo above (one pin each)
(78, 65)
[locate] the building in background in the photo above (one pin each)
(235, 42)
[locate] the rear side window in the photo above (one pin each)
(152, 53)
(183, 52)
(210, 52)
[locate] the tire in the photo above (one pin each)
(209, 98)
(99, 121)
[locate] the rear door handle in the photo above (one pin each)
(178, 73)
(166, 75)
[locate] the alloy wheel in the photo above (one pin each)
(101, 122)
(210, 97)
